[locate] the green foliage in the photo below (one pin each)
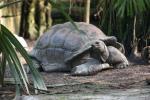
(8, 43)
(8, 46)
(117, 16)
(130, 7)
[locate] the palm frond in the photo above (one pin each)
(8, 43)
(130, 7)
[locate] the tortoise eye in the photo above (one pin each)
(96, 42)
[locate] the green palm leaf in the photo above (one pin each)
(7, 44)
(130, 7)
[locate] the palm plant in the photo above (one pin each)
(120, 17)
(8, 52)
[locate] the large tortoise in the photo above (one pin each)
(64, 47)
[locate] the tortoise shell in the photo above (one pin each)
(63, 42)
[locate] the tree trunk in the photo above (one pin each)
(87, 11)
(35, 18)
(31, 21)
(27, 19)
(43, 16)
(10, 16)
(134, 51)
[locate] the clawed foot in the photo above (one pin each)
(122, 65)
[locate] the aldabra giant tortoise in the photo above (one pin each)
(64, 47)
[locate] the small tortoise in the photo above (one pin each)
(64, 48)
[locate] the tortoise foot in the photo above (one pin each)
(122, 65)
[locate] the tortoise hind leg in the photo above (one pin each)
(116, 58)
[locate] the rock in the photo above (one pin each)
(22, 41)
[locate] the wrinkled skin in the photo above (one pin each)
(99, 51)
(116, 58)
(92, 66)
(90, 62)
(101, 57)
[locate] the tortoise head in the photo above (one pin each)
(109, 40)
(99, 51)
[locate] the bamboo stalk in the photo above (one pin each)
(87, 11)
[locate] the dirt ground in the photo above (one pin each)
(137, 75)
(131, 77)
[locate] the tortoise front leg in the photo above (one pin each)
(91, 67)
